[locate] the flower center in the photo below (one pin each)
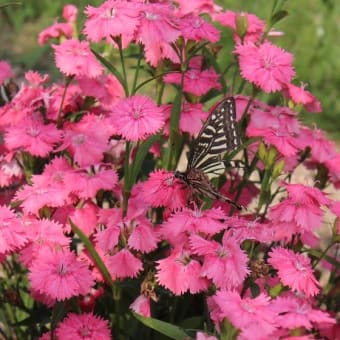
(137, 113)
(300, 267)
(192, 75)
(84, 332)
(267, 64)
(151, 16)
(62, 270)
(197, 23)
(32, 131)
(222, 252)
(247, 307)
(197, 213)
(169, 181)
(79, 140)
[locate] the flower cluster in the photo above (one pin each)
(90, 206)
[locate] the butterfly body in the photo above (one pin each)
(217, 136)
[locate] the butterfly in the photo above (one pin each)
(218, 135)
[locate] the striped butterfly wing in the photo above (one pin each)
(217, 136)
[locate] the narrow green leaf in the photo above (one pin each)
(112, 69)
(154, 77)
(174, 126)
(172, 331)
(95, 256)
(140, 156)
(317, 253)
(278, 16)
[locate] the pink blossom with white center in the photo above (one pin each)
(60, 275)
(112, 19)
(267, 66)
(83, 326)
(180, 273)
(294, 270)
(74, 58)
(33, 136)
(137, 117)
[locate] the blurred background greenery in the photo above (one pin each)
(312, 31)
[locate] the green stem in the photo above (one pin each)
(59, 116)
(322, 255)
(160, 93)
(176, 114)
(127, 184)
(122, 61)
(139, 61)
(265, 187)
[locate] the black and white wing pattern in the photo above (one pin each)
(218, 135)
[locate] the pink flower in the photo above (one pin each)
(74, 57)
(42, 234)
(58, 30)
(51, 188)
(123, 264)
(277, 125)
(252, 316)
(108, 238)
(196, 28)
(321, 148)
(82, 327)
(196, 81)
(134, 228)
(293, 312)
(12, 233)
(10, 170)
(181, 224)
(35, 197)
(36, 80)
(5, 71)
(302, 208)
(86, 184)
(112, 18)
(157, 30)
(197, 7)
(137, 117)
(60, 275)
(254, 28)
(106, 88)
(267, 66)
(56, 174)
(220, 259)
(142, 306)
(143, 237)
(163, 190)
(33, 136)
(204, 336)
(294, 270)
(85, 218)
(333, 166)
(299, 95)
(180, 273)
(86, 143)
(190, 120)
(70, 13)
(70, 102)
